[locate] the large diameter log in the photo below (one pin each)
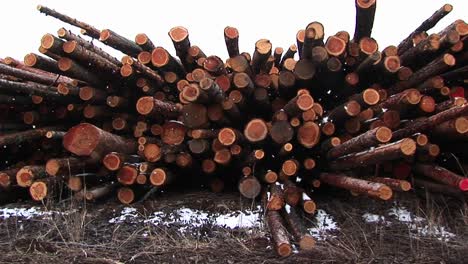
(366, 140)
(90, 30)
(365, 12)
(279, 233)
(452, 129)
(372, 189)
(403, 148)
(442, 175)
(297, 228)
(256, 130)
(68, 166)
(88, 140)
(425, 124)
(308, 134)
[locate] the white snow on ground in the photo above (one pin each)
(25, 213)
(186, 218)
(419, 226)
(324, 226)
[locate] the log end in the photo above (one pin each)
(65, 64)
(30, 59)
(461, 125)
(69, 46)
(310, 163)
(427, 104)
(5, 180)
(463, 185)
(144, 57)
(158, 177)
(208, 166)
(405, 185)
(305, 102)
(52, 167)
(159, 57)
(447, 8)
(127, 175)
(104, 35)
(178, 34)
(141, 39)
(371, 96)
(271, 177)
(231, 32)
(383, 134)
(289, 167)
(145, 105)
(368, 45)
(256, 130)
(365, 3)
(309, 134)
(24, 177)
(309, 207)
(47, 41)
(408, 147)
(335, 45)
(111, 161)
(125, 195)
(284, 250)
(449, 59)
(38, 191)
(385, 193)
(152, 152)
(353, 108)
(82, 139)
(227, 136)
(75, 183)
(249, 187)
(307, 242)
(126, 70)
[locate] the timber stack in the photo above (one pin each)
(336, 111)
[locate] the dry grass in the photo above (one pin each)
(86, 236)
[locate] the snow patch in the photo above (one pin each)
(324, 226)
(26, 213)
(127, 214)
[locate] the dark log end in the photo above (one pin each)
(249, 187)
(52, 167)
(5, 180)
(75, 183)
(307, 242)
(126, 195)
(208, 166)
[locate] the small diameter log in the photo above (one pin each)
(180, 38)
(345, 111)
(127, 174)
(152, 107)
(28, 174)
(30, 88)
(249, 187)
(292, 193)
(261, 54)
(365, 12)
(114, 160)
(231, 37)
(442, 175)
(161, 59)
(275, 197)
(394, 184)
(429, 23)
(308, 205)
(88, 140)
(98, 192)
(297, 228)
(8, 178)
(373, 189)
(445, 105)
(269, 177)
(403, 148)
(90, 30)
(299, 104)
(434, 187)
(51, 79)
(229, 136)
(437, 66)
(68, 166)
(425, 124)
(366, 98)
(144, 42)
(256, 130)
(120, 43)
(75, 51)
(19, 137)
(371, 138)
(452, 129)
(74, 70)
(279, 234)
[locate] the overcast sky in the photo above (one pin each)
(22, 25)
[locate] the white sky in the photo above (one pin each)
(22, 26)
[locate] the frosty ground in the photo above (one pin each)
(202, 227)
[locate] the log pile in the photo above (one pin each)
(329, 111)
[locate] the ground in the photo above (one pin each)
(186, 228)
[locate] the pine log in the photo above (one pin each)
(365, 12)
(297, 228)
(279, 233)
(119, 42)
